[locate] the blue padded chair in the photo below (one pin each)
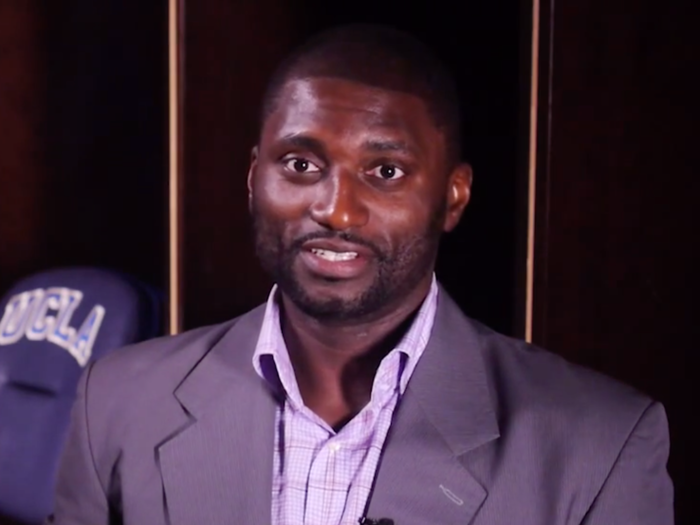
(52, 325)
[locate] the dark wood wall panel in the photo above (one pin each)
(23, 90)
(230, 49)
(84, 151)
(617, 244)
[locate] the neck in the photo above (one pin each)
(335, 363)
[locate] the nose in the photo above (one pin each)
(339, 204)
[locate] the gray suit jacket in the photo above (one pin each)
(491, 431)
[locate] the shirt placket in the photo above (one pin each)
(353, 461)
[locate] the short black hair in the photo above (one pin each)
(382, 57)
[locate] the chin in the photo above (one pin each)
(330, 298)
(334, 300)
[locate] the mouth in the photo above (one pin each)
(334, 256)
(334, 261)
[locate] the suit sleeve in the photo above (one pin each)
(638, 490)
(80, 498)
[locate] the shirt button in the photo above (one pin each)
(335, 447)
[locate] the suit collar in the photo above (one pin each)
(451, 382)
(228, 435)
(446, 412)
(217, 466)
(227, 366)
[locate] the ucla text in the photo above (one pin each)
(42, 315)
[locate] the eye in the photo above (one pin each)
(387, 172)
(301, 165)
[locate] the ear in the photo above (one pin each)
(251, 175)
(459, 190)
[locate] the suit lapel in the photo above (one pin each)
(445, 412)
(217, 467)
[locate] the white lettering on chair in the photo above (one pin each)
(42, 315)
(17, 313)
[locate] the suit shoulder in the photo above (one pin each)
(163, 361)
(528, 379)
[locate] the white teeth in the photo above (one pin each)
(334, 256)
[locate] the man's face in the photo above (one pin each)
(350, 193)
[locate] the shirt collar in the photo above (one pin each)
(271, 358)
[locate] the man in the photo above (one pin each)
(359, 393)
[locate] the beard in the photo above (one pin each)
(398, 271)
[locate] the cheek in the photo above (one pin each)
(279, 211)
(279, 199)
(400, 219)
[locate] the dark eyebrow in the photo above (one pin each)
(305, 142)
(380, 146)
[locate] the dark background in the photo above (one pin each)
(617, 249)
(83, 164)
(83, 121)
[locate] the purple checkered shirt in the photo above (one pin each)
(323, 477)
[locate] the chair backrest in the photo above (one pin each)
(53, 324)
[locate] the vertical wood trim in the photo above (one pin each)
(532, 170)
(175, 28)
(543, 147)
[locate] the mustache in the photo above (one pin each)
(297, 244)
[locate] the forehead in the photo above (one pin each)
(347, 109)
